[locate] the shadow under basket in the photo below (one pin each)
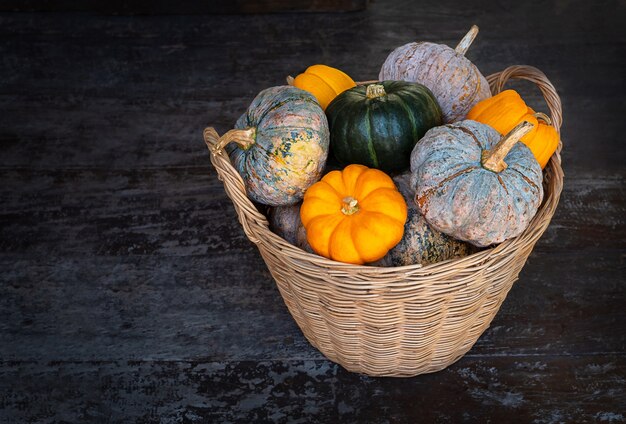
(400, 321)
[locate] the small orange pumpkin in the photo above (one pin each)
(324, 82)
(507, 109)
(354, 216)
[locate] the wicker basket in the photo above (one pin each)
(401, 321)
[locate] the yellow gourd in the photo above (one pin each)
(324, 82)
(354, 216)
(507, 109)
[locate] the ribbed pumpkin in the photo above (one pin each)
(456, 83)
(354, 216)
(285, 221)
(377, 125)
(507, 109)
(324, 82)
(280, 145)
(475, 185)
(421, 243)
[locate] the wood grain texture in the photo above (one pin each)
(183, 7)
(129, 293)
(582, 389)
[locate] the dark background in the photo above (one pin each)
(128, 291)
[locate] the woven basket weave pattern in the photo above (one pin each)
(401, 321)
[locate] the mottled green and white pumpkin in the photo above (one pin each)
(421, 243)
(377, 125)
(475, 185)
(280, 145)
(455, 81)
(285, 221)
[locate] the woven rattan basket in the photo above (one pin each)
(399, 321)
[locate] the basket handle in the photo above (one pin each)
(250, 218)
(529, 73)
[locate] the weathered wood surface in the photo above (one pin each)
(525, 389)
(182, 7)
(129, 293)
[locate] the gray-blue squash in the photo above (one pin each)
(280, 145)
(475, 185)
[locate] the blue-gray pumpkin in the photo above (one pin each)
(280, 145)
(475, 185)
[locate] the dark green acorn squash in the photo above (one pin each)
(378, 125)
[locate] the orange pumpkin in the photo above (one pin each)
(354, 216)
(507, 109)
(324, 82)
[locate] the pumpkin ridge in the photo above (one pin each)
(353, 231)
(535, 145)
(327, 221)
(329, 75)
(281, 103)
(370, 144)
(470, 80)
(470, 133)
(528, 181)
(470, 189)
(367, 176)
(411, 117)
(255, 122)
(349, 186)
(502, 183)
(346, 108)
(377, 191)
(386, 216)
(441, 71)
(259, 103)
(431, 60)
(334, 235)
(276, 127)
(480, 85)
(329, 187)
(382, 238)
(320, 199)
(420, 199)
(391, 204)
(495, 217)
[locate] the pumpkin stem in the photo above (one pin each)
(545, 118)
(244, 138)
(467, 41)
(374, 90)
(290, 80)
(493, 159)
(350, 205)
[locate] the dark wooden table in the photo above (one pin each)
(129, 293)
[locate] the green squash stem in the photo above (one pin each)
(467, 41)
(350, 206)
(374, 90)
(244, 138)
(493, 159)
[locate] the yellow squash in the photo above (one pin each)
(507, 109)
(354, 216)
(324, 82)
